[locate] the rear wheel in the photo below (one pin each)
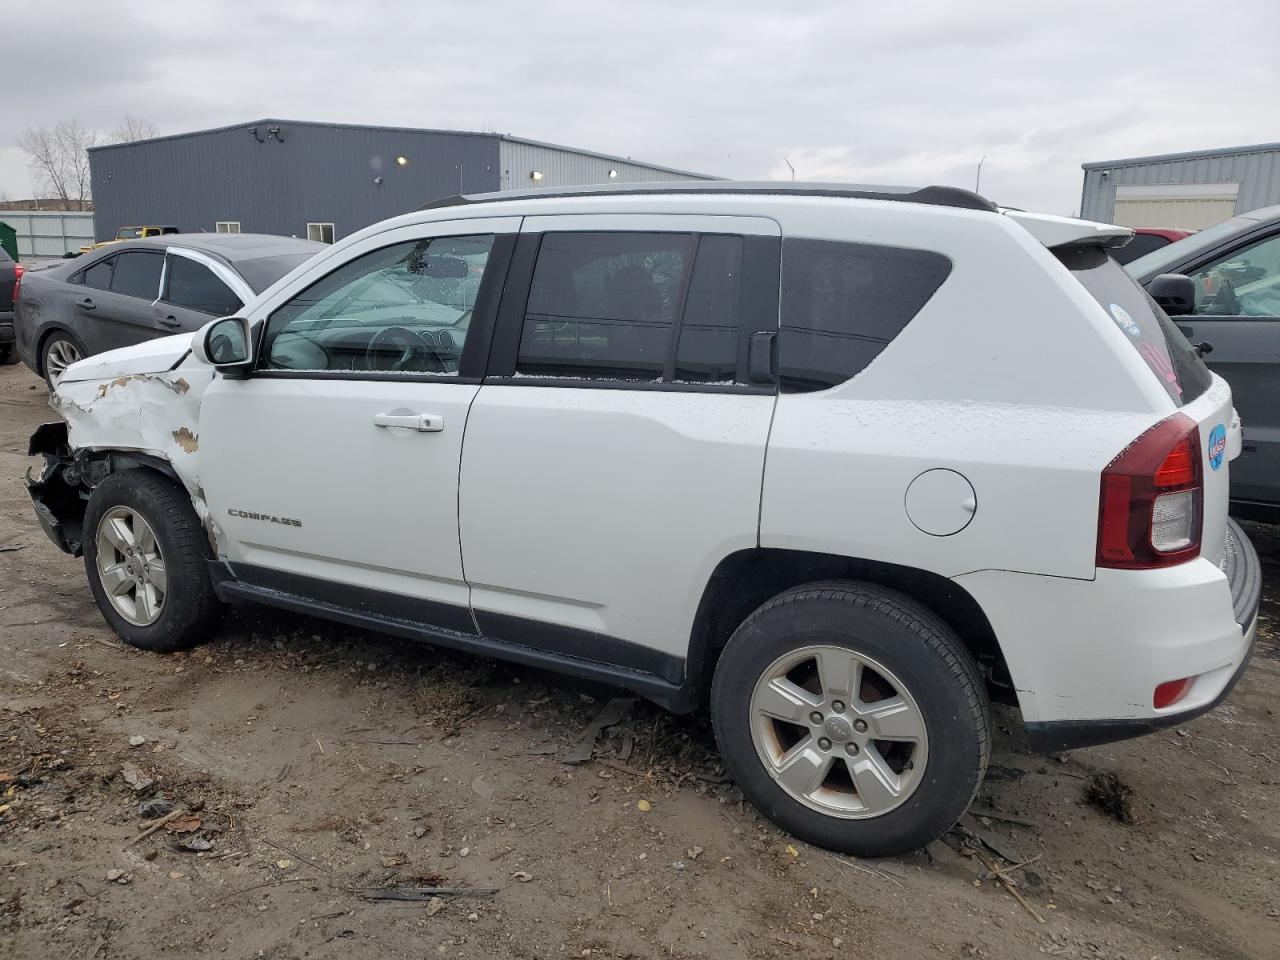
(852, 717)
(146, 556)
(60, 351)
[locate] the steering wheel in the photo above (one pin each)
(412, 348)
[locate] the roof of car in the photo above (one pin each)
(231, 247)
(934, 195)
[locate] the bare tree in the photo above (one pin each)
(58, 159)
(134, 128)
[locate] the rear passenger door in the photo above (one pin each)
(113, 307)
(615, 451)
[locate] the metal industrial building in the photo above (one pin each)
(1185, 190)
(325, 180)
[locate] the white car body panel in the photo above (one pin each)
(606, 510)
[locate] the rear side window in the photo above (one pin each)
(648, 307)
(603, 304)
(1148, 328)
(193, 285)
(98, 276)
(138, 275)
(842, 303)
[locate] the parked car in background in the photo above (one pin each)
(130, 233)
(1235, 314)
(772, 447)
(1146, 240)
(10, 276)
(141, 289)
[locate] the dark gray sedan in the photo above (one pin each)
(142, 289)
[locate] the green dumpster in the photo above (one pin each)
(9, 239)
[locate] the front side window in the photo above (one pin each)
(603, 304)
(194, 286)
(405, 308)
(1244, 283)
(138, 275)
(842, 303)
(320, 232)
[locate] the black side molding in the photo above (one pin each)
(444, 625)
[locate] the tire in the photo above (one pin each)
(58, 350)
(934, 742)
(8, 355)
(186, 612)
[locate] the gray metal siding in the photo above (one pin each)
(1257, 172)
(320, 173)
(565, 168)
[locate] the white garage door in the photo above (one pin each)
(1186, 206)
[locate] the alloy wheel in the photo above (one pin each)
(839, 732)
(60, 355)
(130, 566)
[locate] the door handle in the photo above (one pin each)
(422, 422)
(171, 322)
(86, 304)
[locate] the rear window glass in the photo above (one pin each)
(1139, 246)
(842, 303)
(1148, 328)
(262, 272)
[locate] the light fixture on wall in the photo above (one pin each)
(377, 181)
(613, 174)
(402, 161)
(535, 175)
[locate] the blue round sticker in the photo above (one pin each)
(1217, 445)
(1124, 321)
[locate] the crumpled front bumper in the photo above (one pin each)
(56, 493)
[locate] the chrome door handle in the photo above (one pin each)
(422, 422)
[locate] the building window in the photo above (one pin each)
(227, 226)
(320, 232)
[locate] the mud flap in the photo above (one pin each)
(56, 492)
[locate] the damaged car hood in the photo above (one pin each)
(152, 356)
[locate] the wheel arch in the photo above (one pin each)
(744, 580)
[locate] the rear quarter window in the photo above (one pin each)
(1148, 329)
(843, 303)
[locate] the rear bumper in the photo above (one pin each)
(1086, 656)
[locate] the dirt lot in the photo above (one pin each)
(312, 763)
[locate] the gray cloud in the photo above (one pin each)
(913, 92)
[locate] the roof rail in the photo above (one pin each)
(934, 195)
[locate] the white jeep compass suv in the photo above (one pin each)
(841, 462)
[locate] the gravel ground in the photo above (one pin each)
(307, 763)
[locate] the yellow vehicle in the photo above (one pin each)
(130, 233)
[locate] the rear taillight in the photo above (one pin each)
(17, 280)
(1151, 505)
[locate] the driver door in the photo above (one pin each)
(332, 469)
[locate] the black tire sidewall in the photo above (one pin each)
(188, 601)
(956, 721)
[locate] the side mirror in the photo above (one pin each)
(224, 344)
(1175, 292)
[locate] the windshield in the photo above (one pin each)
(1158, 261)
(1148, 328)
(128, 233)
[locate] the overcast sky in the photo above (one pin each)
(886, 92)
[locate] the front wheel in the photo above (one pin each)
(853, 717)
(146, 555)
(8, 354)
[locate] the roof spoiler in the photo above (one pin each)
(1058, 233)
